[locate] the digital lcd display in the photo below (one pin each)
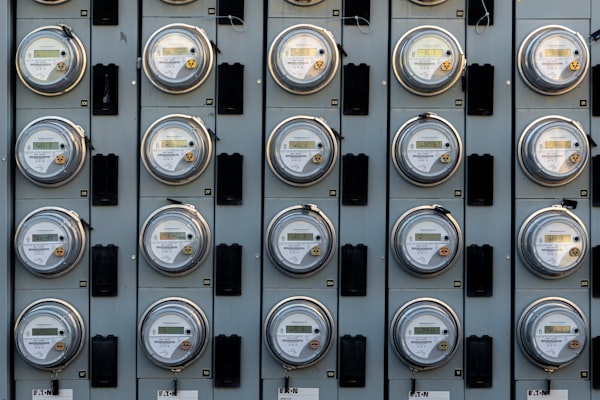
(175, 51)
(557, 53)
(557, 238)
(171, 143)
(46, 53)
(172, 236)
(302, 144)
(428, 237)
(557, 329)
(427, 330)
(557, 144)
(429, 144)
(303, 51)
(298, 329)
(44, 332)
(171, 330)
(299, 236)
(430, 52)
(44, 237)
(45, 146)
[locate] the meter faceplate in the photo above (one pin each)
(49, 334)
(553, 150)
(553, 59)
(302, 150)
(303, 59)
(50, 151)
(175, 239)
(178, 58)
(427, 150)
(426, 240)
(176, 149)
(51, 60)
(428, 60)
(552, 332)
(173, 333)
(301, 240)
(425, 333)
(299, 331)
(50, 241)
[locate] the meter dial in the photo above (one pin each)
(50, 241)
(302, 150)
(178, 58)
(51, 60)
(301, 240)
(425, 333)
(175, 239)
(428, 60)
(426, 240)
(427, 150)
(552, 332)
(49, 334)
(553, 242)
(173, 333)
(50, 151)
(553, 150)
(553, 59)
(303, 59)
(176, 149)
(299, 331)
(428, 2)
(304, 2)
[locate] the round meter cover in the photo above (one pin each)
(426, 240)
(302, 150)
(552, 332)
(299, 331)
(553, 242)
(428, 60)
(303, 59)
(178, 58)
(175, 239)
(51, 60)
(553, 59)
(425, 333)
(50, 241)
(301, 240)
(427, 150)
(49, 334)
(50, 151)
(428, 2)
(176, 149)
(553, 150)
(173, 332)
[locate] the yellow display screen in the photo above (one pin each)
(298, 329)
(172, 236)
(427, 330)
(557, 238)
(302, 144)
(557, 144)
(46, 53)
(299, 236)
(303, 51)
(430, 52)
(45, 146)
(170, 330)
(175, 51)
(44, 332)
(429, 144)
(557, 53)
(428, 237)
(44, 237)
(173, 143)
(557, 329)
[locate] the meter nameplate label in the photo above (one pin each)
(296, 333)
(40, 337)
(168, 240)
(554, 333)
(295, 393)
(424, 334)
(40, 241)
(172, 54)
(425, 241)
(302, 56)
(427, 56)
(43, 56)
(554, 243)
(297, 240)
(554, 394)
(181, 394)
(554, 56)
(46, 394)
(167, 334)
(42, 149)
(431, 395)
(554, 149)
(299, 148)
(170, 147)
(425, 149)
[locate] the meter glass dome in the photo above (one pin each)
(426, 240)
(427, 150)
(173, 333)
(553, 59)
(425, 333)
(303, 59)
(50, 151)
(51, 60)
(299, 331)
(428, 60)
(176, 149)
(175, 239)
(553, 242)
(178, 58)
(552, 332)
(50, 241)
(302, 150)
(301, 240)
(49, 334)
(553, 150)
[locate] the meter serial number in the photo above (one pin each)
(557, 144)
(557, 329)
(428, 144)
(46, 53)
(172, 235)
(430, 52)
(303, 51)
(557, 53)
(557, 238)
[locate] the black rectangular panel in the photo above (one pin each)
(227, 361)
(105, 180)
(476, 12)
(596, 90)
(230, 89)
(353, 275)
(230, 169)
(480, 180)
(356, 89)
(233, 8)
(104, 361)
(355, 180)
(105, 12)
(105, 87)
(480, 271)
(480, 89)
(228, 274)
(105, 270)
(596, 181)
(596, 363)
(357, 8)
(353, 352)
(479, 361)
(596, 272)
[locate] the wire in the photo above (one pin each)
(358, 19)
(485, 16)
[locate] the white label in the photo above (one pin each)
(294, 393)
(46, 394)
(537, 394)
(431, 395)
(426, 56)
(303, 57)
(181, 394)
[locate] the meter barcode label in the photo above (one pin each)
(46, 394)
(431, 395)
(181, 395)
(294, 393)
(537, 394)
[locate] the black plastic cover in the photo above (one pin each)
(105, 12)
(227, 361)
(230, 171)
(105, 271)
(105, 180)
(355, 179)
(357, 8)
(235, 8)
(480, 271)
(480, 89)
(480, 180)
(104, 361)
(230, 88)
(353, 354)
(596, 363)
(596, 181)
(476, 12)
(353, 275)
(228, 274)
(479, 361)
(356, 89)
(105, 87)
(596, 272)
(596, 90)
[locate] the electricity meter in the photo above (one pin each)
(50, 151)
(51, 60)
(175, 239)
(302, 150)
(49, 334)
(428, 60)
(303, 59)
(299, 331)
(553, 59)
(304, 2)
(50, 241)
(177, 2)
(173, 333)
(553, 242)
(301, 240)
(427, 150)
(176, 149)
(553, 150)
(426, 240)
(552, 332)
(178, 58)
(425, 333)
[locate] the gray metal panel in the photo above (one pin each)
(156, 8)
(70, 9)
(448, 9)
(552, 9)
(324, 9)
(402, 387)
(150, 388)
(78, 388)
